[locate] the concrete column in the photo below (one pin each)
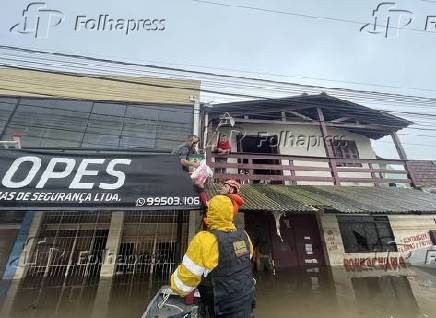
(332, 239)
(19, 259)
(192, 225)
(112, 244)
(102, 298)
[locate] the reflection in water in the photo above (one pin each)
(380, 295)
(296, 293)
(315, 292)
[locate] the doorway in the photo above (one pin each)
(258, 145)
(301, 245)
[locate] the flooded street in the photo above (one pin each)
(298, 293)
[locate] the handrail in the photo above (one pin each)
(290, 168)
(245, 155)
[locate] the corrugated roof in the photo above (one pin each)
(340, 199)
(333, 108)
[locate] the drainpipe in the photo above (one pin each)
(196, 126)
(192, 213)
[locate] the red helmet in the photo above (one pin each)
(235, 184)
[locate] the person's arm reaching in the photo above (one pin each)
(200, 258)
(183, 156)
(188, 164)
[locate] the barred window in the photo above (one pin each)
(346, 149)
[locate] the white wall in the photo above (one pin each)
(314, 146)
(410, 229)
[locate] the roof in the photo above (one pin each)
(333, 108)
(336, 199)
(424, 172)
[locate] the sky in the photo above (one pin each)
(314, 42)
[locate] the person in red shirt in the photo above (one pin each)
(231, 189)
(223, 148)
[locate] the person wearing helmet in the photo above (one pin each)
(231, 188)
(218, 261)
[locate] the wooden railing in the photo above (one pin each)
(274, 168)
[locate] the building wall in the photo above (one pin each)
(314, 146)
(31, 83)
(411, 229)
(412, 235)
(68, 110)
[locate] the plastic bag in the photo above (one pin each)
(202, 172)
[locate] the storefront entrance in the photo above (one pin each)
(301, 245)
(70, 245)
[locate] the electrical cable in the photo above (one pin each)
(94, 59)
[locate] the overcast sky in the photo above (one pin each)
(314, 42)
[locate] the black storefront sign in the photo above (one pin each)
(54, 180)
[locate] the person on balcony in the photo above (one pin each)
(218, 261)
(223, 148)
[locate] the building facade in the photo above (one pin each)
(316, 191)
(49, 111)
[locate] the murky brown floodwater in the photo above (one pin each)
(307, 293)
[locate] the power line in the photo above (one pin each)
(354, 97)
(264, 98)
(335, 94)
(146, 84)
(363, 111)
(301, 15)
(165, 68)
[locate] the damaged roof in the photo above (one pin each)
(335, 199)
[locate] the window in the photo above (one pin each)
(346, 149)
(88, 124)
(362, 234)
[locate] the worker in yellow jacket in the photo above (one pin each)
(218, 261)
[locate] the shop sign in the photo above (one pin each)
(41, 180)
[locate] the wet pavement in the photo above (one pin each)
(314, 292)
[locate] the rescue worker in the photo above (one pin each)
(218, 262)
(231, 188)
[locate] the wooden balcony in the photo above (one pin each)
(285, 169)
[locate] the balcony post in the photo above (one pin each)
(292, 170)
(373, 175)
(328, 147)
(403, 156)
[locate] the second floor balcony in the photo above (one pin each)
(294, 170)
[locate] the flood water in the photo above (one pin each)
(312, 292)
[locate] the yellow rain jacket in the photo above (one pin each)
(202, 254)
